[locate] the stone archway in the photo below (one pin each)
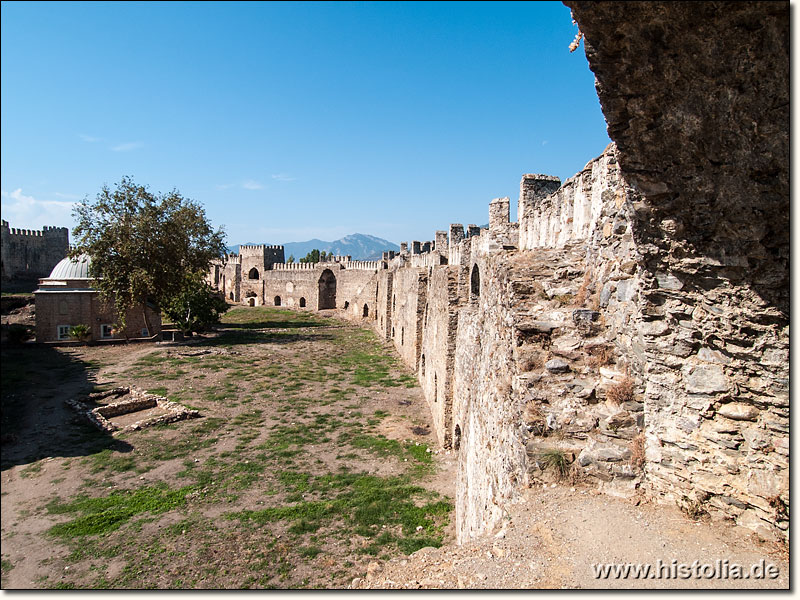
(327, 290)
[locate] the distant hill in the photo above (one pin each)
(358, 245)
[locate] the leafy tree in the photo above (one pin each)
(196, 307)
(290, 260)
(142, 245)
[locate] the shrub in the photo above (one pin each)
(80, 332)
(637, 452)
(556, 460)
(621, 392)
(600, 356)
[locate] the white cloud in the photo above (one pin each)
(252, 185)
(544, 142)
(127, 146)
(26, 212)
(90, 138)
(67, 196)
(283, 177)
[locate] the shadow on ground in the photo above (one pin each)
(36, 424)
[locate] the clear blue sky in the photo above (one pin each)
(289, 121)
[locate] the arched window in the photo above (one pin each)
(253, 274)
(277, 300)
(302, 302)
(422, 365)
(365, 312)
(475, 283)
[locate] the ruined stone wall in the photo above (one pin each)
(567, 214)
(291, 288)
(31, 254)
(487, 420)
(409, 292)
(437, 359)
(383, 310)
(357, 288)
(696, 97)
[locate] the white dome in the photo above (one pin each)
(72, 268)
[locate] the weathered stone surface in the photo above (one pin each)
(738, 411)
(705, 379)
(556, 365)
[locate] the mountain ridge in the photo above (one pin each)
(361, 246)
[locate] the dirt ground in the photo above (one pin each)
(313, 465)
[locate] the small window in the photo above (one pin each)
(277, 300)
(365, 312)
(346, 304)
(475, 283)
(63, 332)
(302, 302)
(106, 331)
(145, 333)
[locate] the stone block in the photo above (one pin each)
(738, 411)
(556, 365)
(704, 379)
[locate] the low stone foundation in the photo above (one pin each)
(135, 401)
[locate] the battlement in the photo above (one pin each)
(46, 231)
(298, 266)
(364, 265)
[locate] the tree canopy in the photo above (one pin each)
(143, 246)
(315, 256)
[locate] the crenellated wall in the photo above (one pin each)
(31, 254)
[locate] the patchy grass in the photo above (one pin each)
(107, 513)
(360, 504)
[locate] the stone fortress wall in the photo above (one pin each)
(634, 320)
(31, 254)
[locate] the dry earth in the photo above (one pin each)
(307, 469)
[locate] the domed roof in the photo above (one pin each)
(72, 268)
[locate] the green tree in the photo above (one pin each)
(290, 260)
(311, 257)
(143, 245)
(196, 307)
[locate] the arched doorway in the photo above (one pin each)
(365, 312)
(277, 300)
(302, 302)
(327, 290)
(253, 274)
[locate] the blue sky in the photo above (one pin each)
(289, 121)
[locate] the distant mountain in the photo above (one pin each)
(358, 245)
